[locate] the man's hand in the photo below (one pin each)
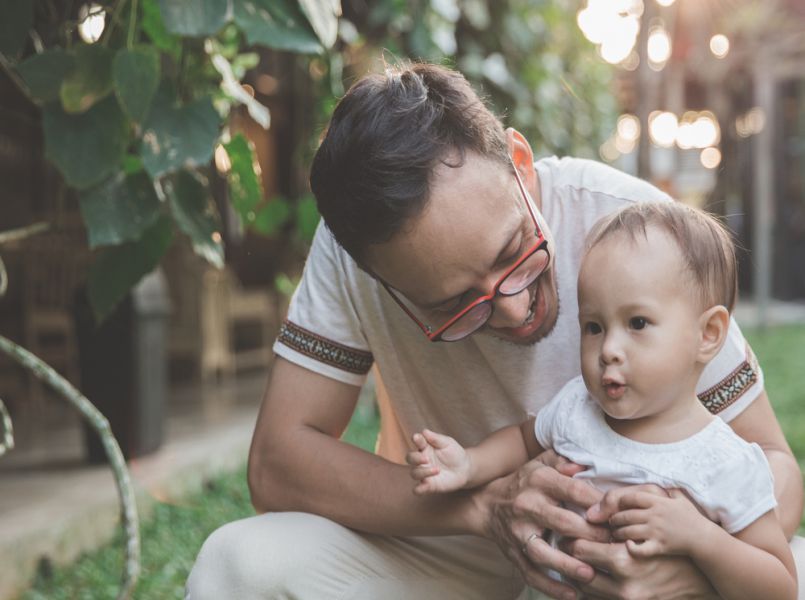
(622, 574)
(522, 508)
(654, 525)
(440, 463)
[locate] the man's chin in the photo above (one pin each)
(528, 336)
(507, 335)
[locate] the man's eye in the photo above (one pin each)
(638, 323)
(592, 328)
(452, 306)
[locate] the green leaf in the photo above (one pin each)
(245, 187)
(194, 17)
(91, 79)
(17, 20)
(272, 216)
(276, 24)
(136, 78)
(307, 218)
(154, 28)
(178, 136)
(119, 210)
(195, 213)
(86, 147)
(132, 164)
(119, 268)
(323, 17)
(44, 73)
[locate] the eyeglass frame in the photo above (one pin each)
(541, 244)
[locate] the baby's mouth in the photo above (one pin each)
(613, 388)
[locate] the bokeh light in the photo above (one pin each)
(720, 45)
(662, 128)
(750, 123)
(613, 25)
(710, 157)
(92, 19)
(629, 127)
(658, 47)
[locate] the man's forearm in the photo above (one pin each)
(787, 489)
(309, 471)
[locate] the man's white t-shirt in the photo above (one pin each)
(726, 476)
(341, 322)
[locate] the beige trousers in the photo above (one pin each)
(298, 556)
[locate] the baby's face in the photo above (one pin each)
(639, 324)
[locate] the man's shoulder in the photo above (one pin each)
(585, 179)
(327, 253)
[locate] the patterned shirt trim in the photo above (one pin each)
(324, 350)
(733, 386)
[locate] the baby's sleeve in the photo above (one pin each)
(550, 419)
(743, 490)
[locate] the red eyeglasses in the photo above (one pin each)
(517, 278)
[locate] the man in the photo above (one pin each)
(435, 234)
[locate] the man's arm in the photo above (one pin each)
(297, 462)
(757, 423)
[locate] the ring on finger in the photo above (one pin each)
(533, 536)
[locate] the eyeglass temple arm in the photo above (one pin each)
(529, 203)
(400, 303)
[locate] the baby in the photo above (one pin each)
(656, 288)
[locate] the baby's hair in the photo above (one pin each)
(706, 245)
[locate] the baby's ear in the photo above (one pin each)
(714, 324)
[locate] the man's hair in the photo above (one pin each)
(706, 246)
(372, 171)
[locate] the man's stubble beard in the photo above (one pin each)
(527, 343)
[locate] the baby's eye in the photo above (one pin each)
(638, 323)
(592, 328)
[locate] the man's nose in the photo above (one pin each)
(510, 311)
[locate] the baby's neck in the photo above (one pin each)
(688, 418)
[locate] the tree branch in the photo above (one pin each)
(99, 423)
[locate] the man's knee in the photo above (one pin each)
(261, 557)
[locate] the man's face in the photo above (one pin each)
(474, 226)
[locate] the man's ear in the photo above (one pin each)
(522, 157)
(713, 324)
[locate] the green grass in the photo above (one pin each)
(173, 536)
(781, 352)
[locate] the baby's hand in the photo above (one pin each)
(440, 463)
(654, 525)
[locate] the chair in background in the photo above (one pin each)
(54, 264)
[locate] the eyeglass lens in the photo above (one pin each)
(524, 275)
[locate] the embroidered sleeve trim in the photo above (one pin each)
(733, 386)
(324, 350)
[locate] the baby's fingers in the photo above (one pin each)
(628, 517)
(419, 441)
(636, 533)
(645, 550)
(416, 458)
(424, 471)
(437, 440)
(425, 487)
